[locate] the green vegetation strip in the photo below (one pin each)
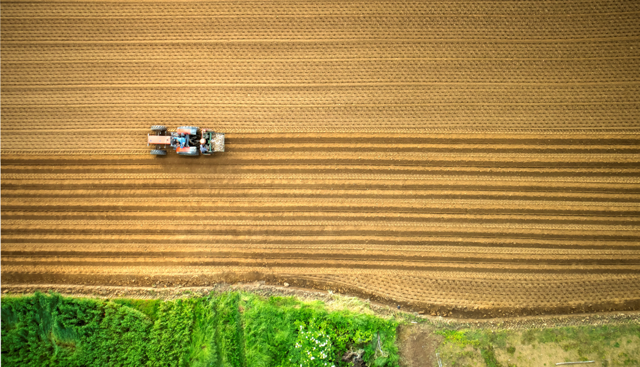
(232, 329)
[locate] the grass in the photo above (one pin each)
(232, 329)
(610, 345)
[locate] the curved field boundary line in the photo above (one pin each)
(446, 275)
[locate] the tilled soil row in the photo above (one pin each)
(111, 141)
(154, 240)
(526, 9)
(185, 272)
(337, 27)
(321, 49)
(124, 173)
(279, 73)
(597, 199)
(394, 175)
(213, 182)
(141, 205)
(256, 246)
(541, 140)
(311, 228)
(438, 150)
(118, 139)
(459, 95)
(277, 258)
(341, 250)
(622, 219)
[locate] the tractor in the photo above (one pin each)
(186, 140)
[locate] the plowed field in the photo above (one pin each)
(477, 158)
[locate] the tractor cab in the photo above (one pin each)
(185, 141)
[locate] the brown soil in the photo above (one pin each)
(418, 345)
(456, 159)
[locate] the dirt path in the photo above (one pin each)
(457, 158)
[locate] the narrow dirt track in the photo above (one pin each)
(469, 158)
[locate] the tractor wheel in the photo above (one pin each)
(158, 128)
(158, 152)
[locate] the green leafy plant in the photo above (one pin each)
(313, 347)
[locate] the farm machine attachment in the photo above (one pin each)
(186, 140)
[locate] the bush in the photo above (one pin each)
(231, 329)
(52, 330)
